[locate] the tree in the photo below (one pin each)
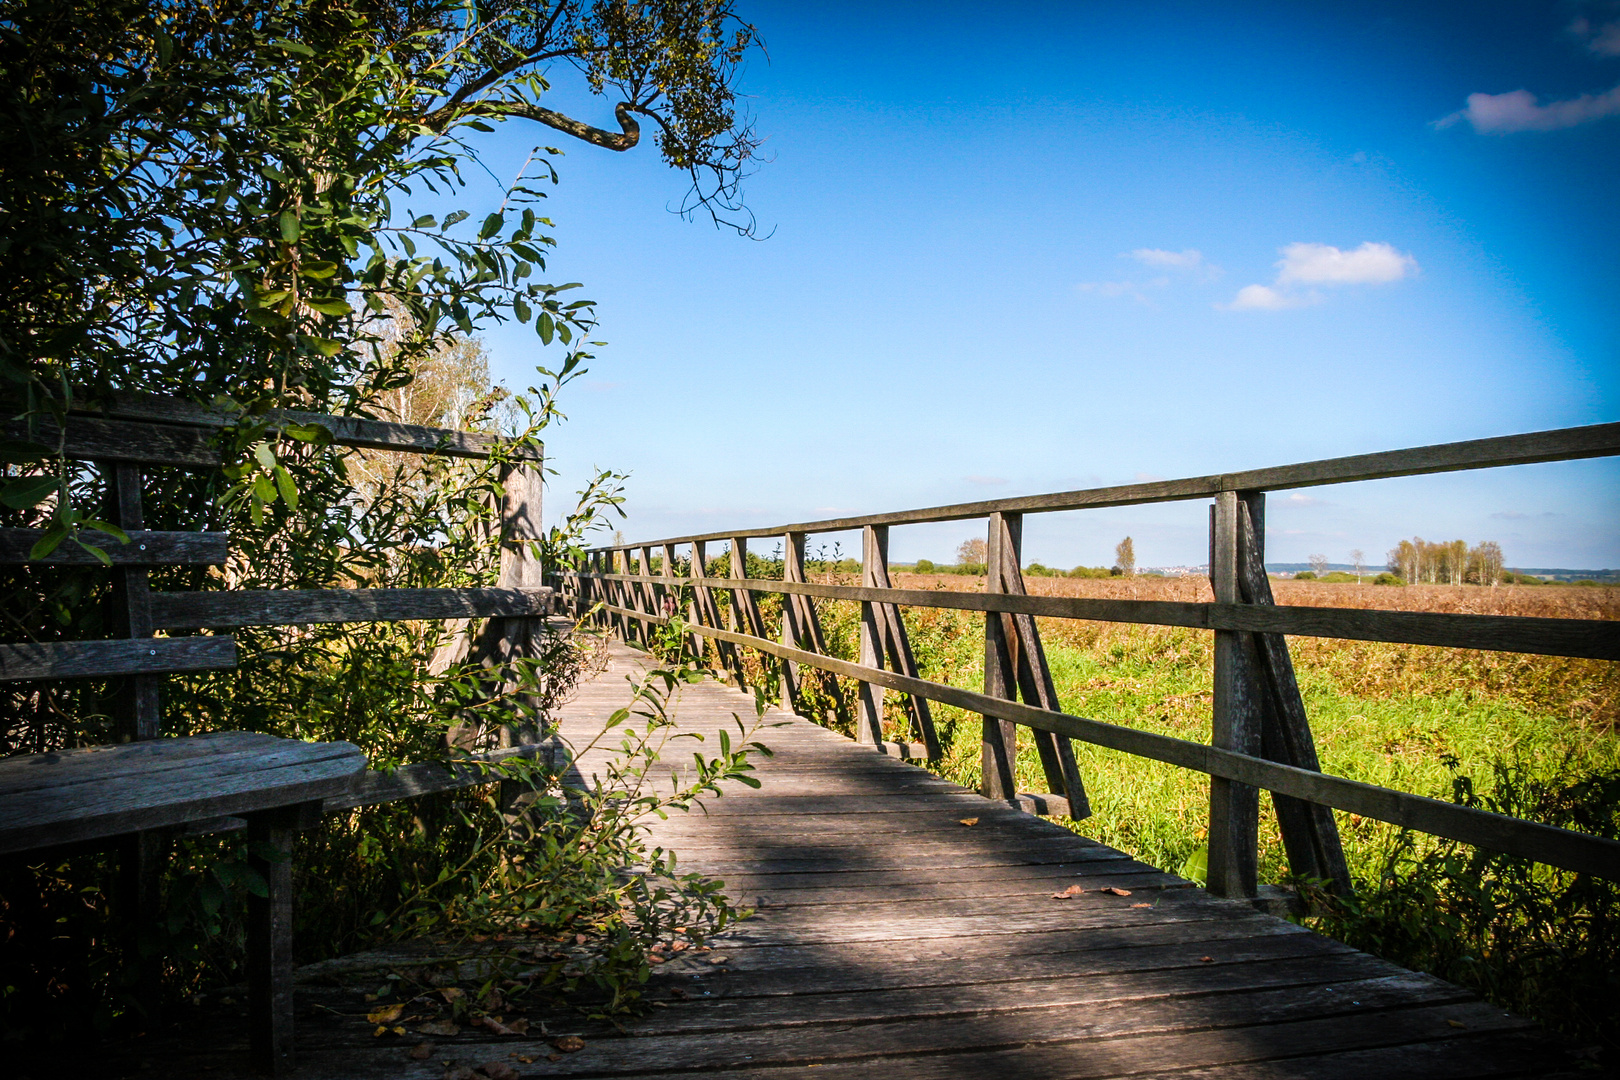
(1125, 557)
(971, 552)
(1319, 565)
(212, 200)
(1358, 559)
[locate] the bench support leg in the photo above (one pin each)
(269, 945)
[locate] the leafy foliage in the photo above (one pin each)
(214, 202)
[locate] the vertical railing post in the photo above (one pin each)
(998, 754)
(1234, 809)
(1030, 673)
(869, 702)
(520, 569)
(793, 631)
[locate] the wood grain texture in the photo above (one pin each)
(295, 607)
(95, 659)
(145, 548)
(231, 784)
(1562, 444)
(356, 431)
(88, 439)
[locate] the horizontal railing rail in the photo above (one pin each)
(1593, 639)
(1543, 843)
(1261, 738)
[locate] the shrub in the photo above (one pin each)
(1387, 578)
(1305, 575)
(924, 566)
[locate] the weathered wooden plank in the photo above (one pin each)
(1310, 834)
(998, 738)
(137, 699)
(357, 431)
(1562, 444)
(1595, 639)
(869, 696)
(87, 439)
(1542, 843)
(1095, 1036)
(1234, 807)
(95, 659)
(100, 764)
(269, 943)
(294, 607)
(295, 773)
(145, 548)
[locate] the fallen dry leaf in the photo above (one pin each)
(439, 1027)
(1206, 959)
(520, 1026)
(970, 821)
(677, 992)
(1141, 905)
(656, 959)
(1072, 890)
(387, 1015)
(553, 1057)
(422, 1051)
(568, 1044)
(718, 959)
(677, 946)
(1110, 890)
(580, 939)
(499, 1070)
(527, 1059)
(494, 1026)
(1457, 1023)
(450, 993)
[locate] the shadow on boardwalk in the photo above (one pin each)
(893, 941)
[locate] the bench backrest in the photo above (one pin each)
(130, 435)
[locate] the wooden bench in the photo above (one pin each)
(137, 793)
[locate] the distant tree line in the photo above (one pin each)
(1447, 562)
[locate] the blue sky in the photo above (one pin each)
(1038, 247)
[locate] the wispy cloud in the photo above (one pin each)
(1322, 264)
(1297, 499)
(1189, 263)
(1519, 110)
(1602, 38)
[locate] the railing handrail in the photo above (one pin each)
(1557, 444)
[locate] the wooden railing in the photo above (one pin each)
(1261, 737)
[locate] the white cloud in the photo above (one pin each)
(1518, 110)
(1297, 499)
(1324, 264)
(1186, 260)
(1265, 298)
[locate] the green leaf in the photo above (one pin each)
(290, 228)
(331, 306)
(492, 225)
(53, 536)
(545, 327)
(264, 455)
(28, 491)
(1196, 868)
(285, 485)
(521, 309)
(297, 48)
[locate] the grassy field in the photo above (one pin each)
(1407, 717)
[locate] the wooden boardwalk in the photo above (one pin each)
(893, 941)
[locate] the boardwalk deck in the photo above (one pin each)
(893, 941)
